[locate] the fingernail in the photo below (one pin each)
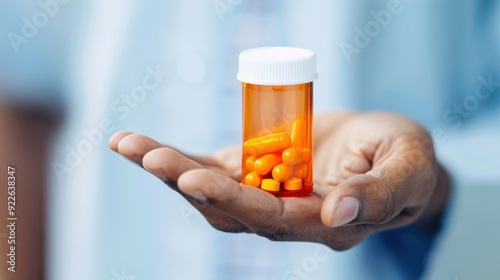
(347, 210)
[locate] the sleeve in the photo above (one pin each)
(402, 253)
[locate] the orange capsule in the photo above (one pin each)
(297, 155)
(301, 171)
(299, 133)
(253, 179)
(293, 184)
(270, 185)
(249, 163)
(266, 163)
(267, 144)
(281, 172)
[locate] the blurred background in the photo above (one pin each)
(74, 72)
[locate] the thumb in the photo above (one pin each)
(362, 199)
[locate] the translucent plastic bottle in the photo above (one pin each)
(277, 119)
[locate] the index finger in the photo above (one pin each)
(260, 211)
(247, 204)
(135, 146)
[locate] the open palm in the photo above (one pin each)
(371, 172)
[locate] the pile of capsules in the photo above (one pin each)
(278, 158)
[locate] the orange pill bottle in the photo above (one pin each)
(277, 119)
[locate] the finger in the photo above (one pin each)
(135, 146)
(336, 163)
(168, 165)
(362, 199)
(116, 138)
(403, 178)
(278, 219)
(354, 164)
(339, 172)
(255, 208)
(230, 158)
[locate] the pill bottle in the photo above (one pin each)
(277, 87)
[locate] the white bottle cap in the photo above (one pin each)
(277, 66)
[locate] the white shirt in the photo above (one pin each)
(110, 219)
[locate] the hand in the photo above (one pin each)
(372, 172)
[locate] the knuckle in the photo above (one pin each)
(418, 151)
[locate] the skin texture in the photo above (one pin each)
(380, 165)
